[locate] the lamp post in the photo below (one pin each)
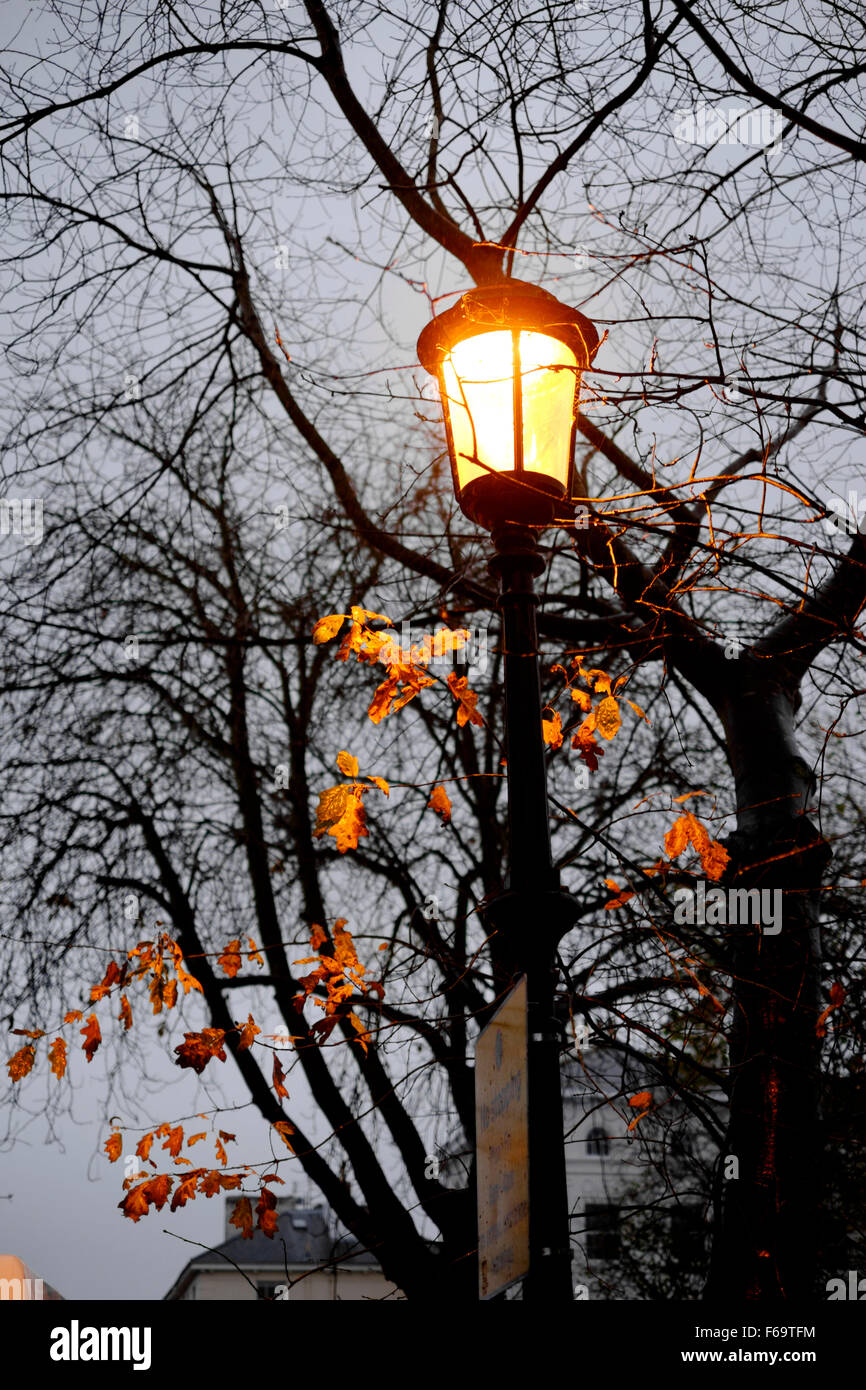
(508, 360)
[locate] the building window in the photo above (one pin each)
(598, 1144)
(602, 1231)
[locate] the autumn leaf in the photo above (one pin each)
(837, 998)
(242, 1218)
(440, 803)
(641, 1102)
(199, 1048)
(255, 954)
(174, 1140)
(347, 764)
(73, 1016)
(326, 629)
(402, 685)
(114, 1146)
(125, 1015)
(607, 717)
(687, 829)
(210, 1183)
(230, 960)
(153, 1192)
(466, 700)
(551, 727)
(142, 1148)
(266, 1210)
(21, 1064)
(186, 1188)
(249, 1032)
(220, 1146)
(583, 699)
(363, 1034)
(284, 1129)
(34, 1033)
(380, 783)
(57, 1057)
(622, 895)
(112, 975)
(92, 1036)
(638, 711)
(340, 814)
(279, 1078)
(194, 1138)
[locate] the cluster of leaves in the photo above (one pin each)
(603, 718)
(145, 1190)
(340, 972)
(162, 959)
(407, 673)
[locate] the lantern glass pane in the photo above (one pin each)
(479, 395)
(478, 380)
(549, 374)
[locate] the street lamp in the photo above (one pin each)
(508, 359)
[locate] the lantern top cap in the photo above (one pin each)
(508, 305)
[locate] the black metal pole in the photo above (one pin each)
(532, 915)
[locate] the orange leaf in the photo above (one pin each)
(92, 1036)
(327, 628)
(380, 783)
(174, 1140)
(220, 1147)
(466, 700)
(642, 1102)
(279, 1078)
(125, 1014)
(837, 997)
(112, 975)
(73, 1016)
(186, 1188)
(551, 726)
(688, 829)
(57, 1057)
(254, 953)
(249, 1031)
(142, 1148)
(582, 698)
(607, 717)
(341, 814)
(153, 1191)
(363, 1035)
(230, 960)
(114, 1146)
(440, 803)
(194, 1138)
(266, 1209)
(34, 1033)
(201, 1048)
(347, 764)
(284, 1129)
(20, 1065)
(622, 895)
(242, 1217)
(638, 711)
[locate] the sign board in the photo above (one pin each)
(502, 1145)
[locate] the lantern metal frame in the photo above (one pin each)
(528, 496)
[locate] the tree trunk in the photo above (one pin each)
(766, 1239)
